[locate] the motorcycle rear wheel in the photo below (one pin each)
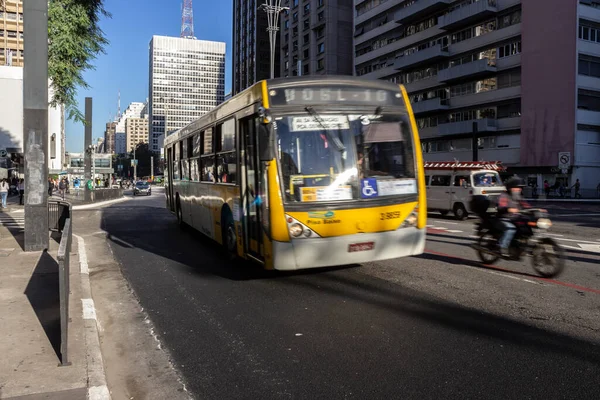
(548, 258)
(487, 241)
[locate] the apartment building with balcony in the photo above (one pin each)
(11, 33)
(316, 37)
(493, 79)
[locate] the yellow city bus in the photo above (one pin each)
(303, 172)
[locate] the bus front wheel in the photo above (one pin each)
(179, 213)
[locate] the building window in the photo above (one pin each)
(589, 66)
(306, 53)
(306, 8)
(306, 24)
(295, 3)
(286, 24)
(510, 49)
(320, 3)
(306, 39)
(306, 69)
(321, 16)
(321, 48)
(295, 17)
(320, 64)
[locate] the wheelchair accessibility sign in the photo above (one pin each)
(368, 188)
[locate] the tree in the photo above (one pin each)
(75, 39)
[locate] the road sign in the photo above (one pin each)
(564, 160)
(3, 153)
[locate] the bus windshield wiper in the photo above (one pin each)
(336, 141)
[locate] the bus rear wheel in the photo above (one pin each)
(229, 237)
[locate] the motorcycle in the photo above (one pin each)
(547, 256)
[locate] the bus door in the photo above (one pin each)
(251, 189)
(169, 179)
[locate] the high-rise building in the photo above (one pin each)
(134, 110)
(251, 55)
(11, 33)
(136, 130)
(120, 143)
(109, 137)
(510, 80)
(187, 79)
(316, 37)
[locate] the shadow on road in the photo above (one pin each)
(403, 300)
(42, 291)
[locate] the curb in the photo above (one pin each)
(100, 204)
(97, 385)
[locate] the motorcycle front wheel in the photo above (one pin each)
(548, 258)
(488, 242)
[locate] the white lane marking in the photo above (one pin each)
(98, 393)
(453, 231)
(576, 215)
(89, 311)
(578, 241)
(100, 204)
(83, 260)
(554, 234)
(592, 248)
(116, 239)
(504, 275)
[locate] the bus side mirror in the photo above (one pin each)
(266, 150)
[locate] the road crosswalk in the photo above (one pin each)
(12, 221)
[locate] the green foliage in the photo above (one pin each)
(75, 39)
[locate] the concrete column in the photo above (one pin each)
(35, 124)
(88, 139)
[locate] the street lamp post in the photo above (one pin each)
(273, 8)
(92, 151)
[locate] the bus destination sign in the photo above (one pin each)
(313, 95)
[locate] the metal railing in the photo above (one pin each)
(58, 212)
(60, 220)
(64, 267)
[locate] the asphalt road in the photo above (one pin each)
(439, 325)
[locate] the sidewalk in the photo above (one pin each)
(30, 323)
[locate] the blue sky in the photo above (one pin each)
(125, 65)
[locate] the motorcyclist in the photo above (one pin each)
(509, 205)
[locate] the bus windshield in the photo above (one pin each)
(345, 156)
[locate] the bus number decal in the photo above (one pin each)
(390, 215)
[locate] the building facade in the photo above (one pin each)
(251, 55)
(136, 130)
(11, 33)
(187, 79)
(316, 37)
(11, 124)
(489, 80)
(133, 110)
(109, 137)
(120, 143)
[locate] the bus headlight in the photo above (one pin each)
(544, 223)
(295, 229)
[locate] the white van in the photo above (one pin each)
(450, 185)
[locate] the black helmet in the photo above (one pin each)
(514, 182)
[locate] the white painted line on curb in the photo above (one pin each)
(453, 231)
(98, 393)
(89, 311)
(101, 204)
(83, 261)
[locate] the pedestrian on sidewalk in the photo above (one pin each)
(21, 191)
(50, 187)
(4, 186)
(577, 186)
(62, 186)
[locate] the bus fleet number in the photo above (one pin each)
(390, 215)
